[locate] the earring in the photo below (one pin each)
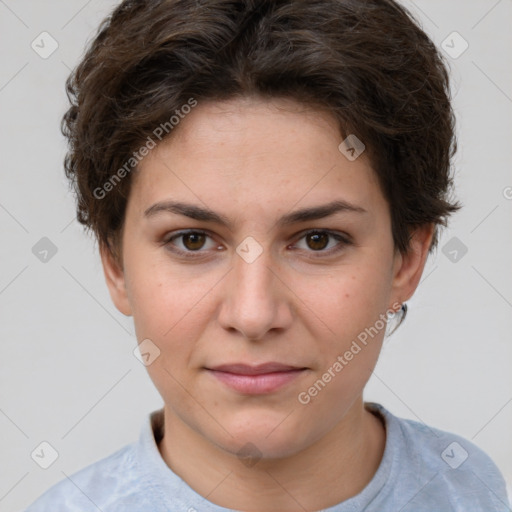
(403, 310)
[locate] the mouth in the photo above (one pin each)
(256, 379)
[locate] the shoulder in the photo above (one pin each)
(95, 486)
(436, 467)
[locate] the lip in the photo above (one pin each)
(256, 379)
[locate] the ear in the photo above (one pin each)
(408, 267)
(115, 279)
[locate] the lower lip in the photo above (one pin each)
(256, 384)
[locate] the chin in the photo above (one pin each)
(265, 436)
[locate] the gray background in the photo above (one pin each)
(67, 369)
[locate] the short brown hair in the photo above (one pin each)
(367, 62)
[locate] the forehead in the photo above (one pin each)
(268, 154)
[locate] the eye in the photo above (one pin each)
(317, 241)
(192, 241)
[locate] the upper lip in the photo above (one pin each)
(260, 369)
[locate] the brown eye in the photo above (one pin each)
(317, 240)
(193, 241)
(323, 243)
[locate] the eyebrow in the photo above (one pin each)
(205, 214)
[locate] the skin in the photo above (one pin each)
(254, 160)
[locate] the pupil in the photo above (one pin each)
(197, 241)
(320, 240)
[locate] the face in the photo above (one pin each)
(251, 282)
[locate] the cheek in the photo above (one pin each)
(351, 305)
(161, 295)
(347, 301)
(163, 311)
(171, 307)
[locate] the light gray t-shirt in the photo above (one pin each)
(422, 470)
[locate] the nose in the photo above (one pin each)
(255, 300)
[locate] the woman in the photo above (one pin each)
(266, 180)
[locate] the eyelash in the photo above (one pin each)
(343, 239)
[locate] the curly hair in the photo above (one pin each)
(367, 62)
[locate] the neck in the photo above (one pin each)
(332, 470)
